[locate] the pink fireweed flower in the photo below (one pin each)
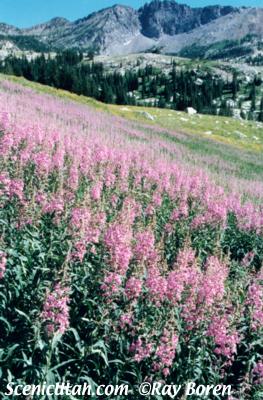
(133, 288)
(166, 372)
(6, 144)
(111, 285)
(4, 181)
(144, 245)
(4, 120)
(131, 209)
(43, 162)
(126, 320)
(215, 215)
(180, 212)
(258, 373)
(142, 349)
(157, 199)
(80, 218)
(114, 200)
(118, 241)
(3, 261)
(255, 302)
(56, 204)
(184, 276)
(183, 284)
(166, 352)
(95, 228)
(168, 228)
(73, 178)
(156, 285)
(55, 312)
(41, 198)
(58, 158)
(225, 338)
(109, 178)
(212, 287)
(16, 188)
(79, 251)
(96, 191)
(175, 286)
(11, 187)
(185, 258)
(150, 210)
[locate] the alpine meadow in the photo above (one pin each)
(131, 205)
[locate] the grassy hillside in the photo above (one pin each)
(226, 148)
(247, 135)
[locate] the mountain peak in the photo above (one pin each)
(171, 18)
(162, 24)
(6, 29)
(59, 20)
(55, 24)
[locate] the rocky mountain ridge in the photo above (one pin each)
(161, 24)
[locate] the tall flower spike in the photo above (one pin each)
(55, 312)
(3, 261)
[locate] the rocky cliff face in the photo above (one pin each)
(164, 24)
(49, 28)
(101, 29)
(8, 30)
(170, 18)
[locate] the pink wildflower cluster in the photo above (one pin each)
(3, 261)
(86, 228)
(130, 210)
(255, 301)
(212, 288)
(96, 191)
(111, 285)
(181, 211)
(165, 352)
(225, 338)
(126, 321)
(55, 312)
(156, 285)
(141, 349)
(54, 205)
(184, 276)
(258, 372)
(133, 288)
(11, 187)
(118, 241)
(80, 218)
(144, 245)
(43, 162)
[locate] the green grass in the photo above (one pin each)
(245, 135)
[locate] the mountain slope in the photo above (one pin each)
(166, 25)
(232, 26)
(46, 30)
(6, 29)
(101, 29)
